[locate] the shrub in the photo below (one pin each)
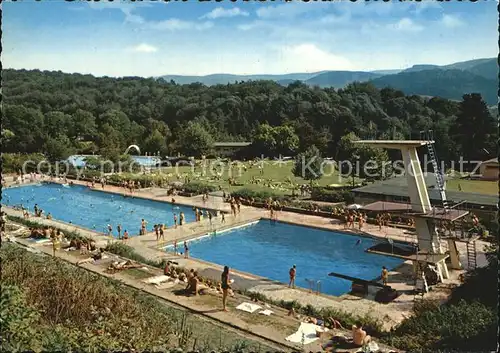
(66, 308)
(196, 187)
(451, 327)
(128, 252)
(13, 162)
(327, 195)
(18, 320)
(258, 196)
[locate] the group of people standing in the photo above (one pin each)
(351, 217)
(119, 231)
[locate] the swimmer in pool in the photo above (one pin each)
(358, 242)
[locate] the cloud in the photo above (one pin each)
(451, 21)
(144, 48)
(309, 57)
(251, 25)
(406, 25)
(222, 12)
(334, 19)
(126, 7)
(130, 17)
(287, 10)
(174, 24)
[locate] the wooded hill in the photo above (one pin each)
(59, 114)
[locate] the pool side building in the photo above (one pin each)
(396, 190)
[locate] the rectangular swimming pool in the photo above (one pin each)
(269, 249)
(94, 209)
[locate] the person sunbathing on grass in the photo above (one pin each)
(360, 338)
(74, 243)
(192, 285)
(37, 233)
(94, 257)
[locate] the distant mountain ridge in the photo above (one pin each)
(448, 81)
(451, 84)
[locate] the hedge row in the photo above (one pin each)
(328, 195)
(197, 187)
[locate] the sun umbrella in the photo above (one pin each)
(354, 206)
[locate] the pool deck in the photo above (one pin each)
(400, 278)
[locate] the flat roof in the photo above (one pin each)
(232, 144)
(492, 161)
(379, 206)
(398, 187)
(394, 144)
(442, 214)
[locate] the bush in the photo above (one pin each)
(327, 195)
(258, 196)
(65, 308)
(196, 187)
(460, 327)
(468, 322)
(128, 252)
(13, 162)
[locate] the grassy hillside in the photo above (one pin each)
(48, 305)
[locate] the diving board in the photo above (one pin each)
(360, 282)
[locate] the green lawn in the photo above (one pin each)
(474, 186)
(277, 177)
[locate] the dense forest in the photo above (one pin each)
(60, 114)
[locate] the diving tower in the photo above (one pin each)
(422, 211)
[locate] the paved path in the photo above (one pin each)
(400, 278)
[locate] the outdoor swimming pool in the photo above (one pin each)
(270, 249)
(78, 160)
(94, 209)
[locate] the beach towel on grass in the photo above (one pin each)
(164, 285)
(248, 307)
(157, 279)
(266, 312)
(102, 258)
(42, 241)
(306, 332)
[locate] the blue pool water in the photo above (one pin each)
(269, 250)
(78, 160)
(94, 209)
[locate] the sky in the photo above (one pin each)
(154, 38)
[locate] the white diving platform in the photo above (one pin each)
(428, 240)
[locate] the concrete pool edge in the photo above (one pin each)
(80, 183)
(252, 276)
(57, 223)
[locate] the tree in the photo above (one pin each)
(475, 128)
(274, 141)
(195, 140)
(365, 161)
(264, 141)
(309, 164)
(110, 114)
(286, 139)
(155, 142)
(84, 125)
(58, 149)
